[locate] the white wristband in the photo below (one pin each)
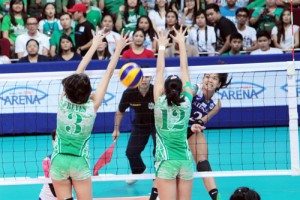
(162, 48)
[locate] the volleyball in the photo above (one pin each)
(131, 75)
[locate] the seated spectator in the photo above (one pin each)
(236, 44)
(49, 23)
(93, 14)
(248, 33)
(102, 52)
(223, 27)
(264, 42)
(171, 20)
(282, 33)
(145, 23)
(187, 15)
(83, 30)
(202, 36)
(13, 24)
(244, 193)
(66, 23)
(128, 15)
(158, 15)
(229, 10)
(66, 50)
(107, 26)
(32, 33)
(265, 18)
(137, 49)
(32, 47)
(3, 58)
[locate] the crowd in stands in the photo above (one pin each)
(61, 30)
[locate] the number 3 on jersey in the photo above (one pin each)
(178, 119)
(75, 119)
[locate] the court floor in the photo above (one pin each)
(230, 149)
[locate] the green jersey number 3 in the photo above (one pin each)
(75, 120)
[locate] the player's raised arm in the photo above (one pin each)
(162, 40)
(102, 86)
(179, 38)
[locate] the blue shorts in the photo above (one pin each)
(65, 166)
(171, 169)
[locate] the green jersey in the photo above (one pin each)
(74, 126)
(171, 123)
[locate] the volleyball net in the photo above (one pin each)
(255, 132)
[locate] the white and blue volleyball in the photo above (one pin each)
(131, 75)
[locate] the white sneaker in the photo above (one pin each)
(133, 181)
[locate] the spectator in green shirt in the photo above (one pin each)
(66, 23)
(93, 14)
(128, 15)
(13, 24)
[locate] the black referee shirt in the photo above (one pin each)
(143, 106)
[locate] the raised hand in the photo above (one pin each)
(97, 37)
(162, 38)
(123, 41)
(180, 35)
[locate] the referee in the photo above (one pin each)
(141, 100)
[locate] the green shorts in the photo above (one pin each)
(171, 169)
(65, 166)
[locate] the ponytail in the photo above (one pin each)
(173, 97)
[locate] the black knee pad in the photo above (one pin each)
(71, 198)
(203, 166)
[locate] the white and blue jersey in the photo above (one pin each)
(200, 107)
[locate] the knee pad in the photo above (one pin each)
(71, 198)
(203, 166)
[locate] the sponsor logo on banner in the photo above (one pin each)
(284, 87)
(22, 95)
(241, 90)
